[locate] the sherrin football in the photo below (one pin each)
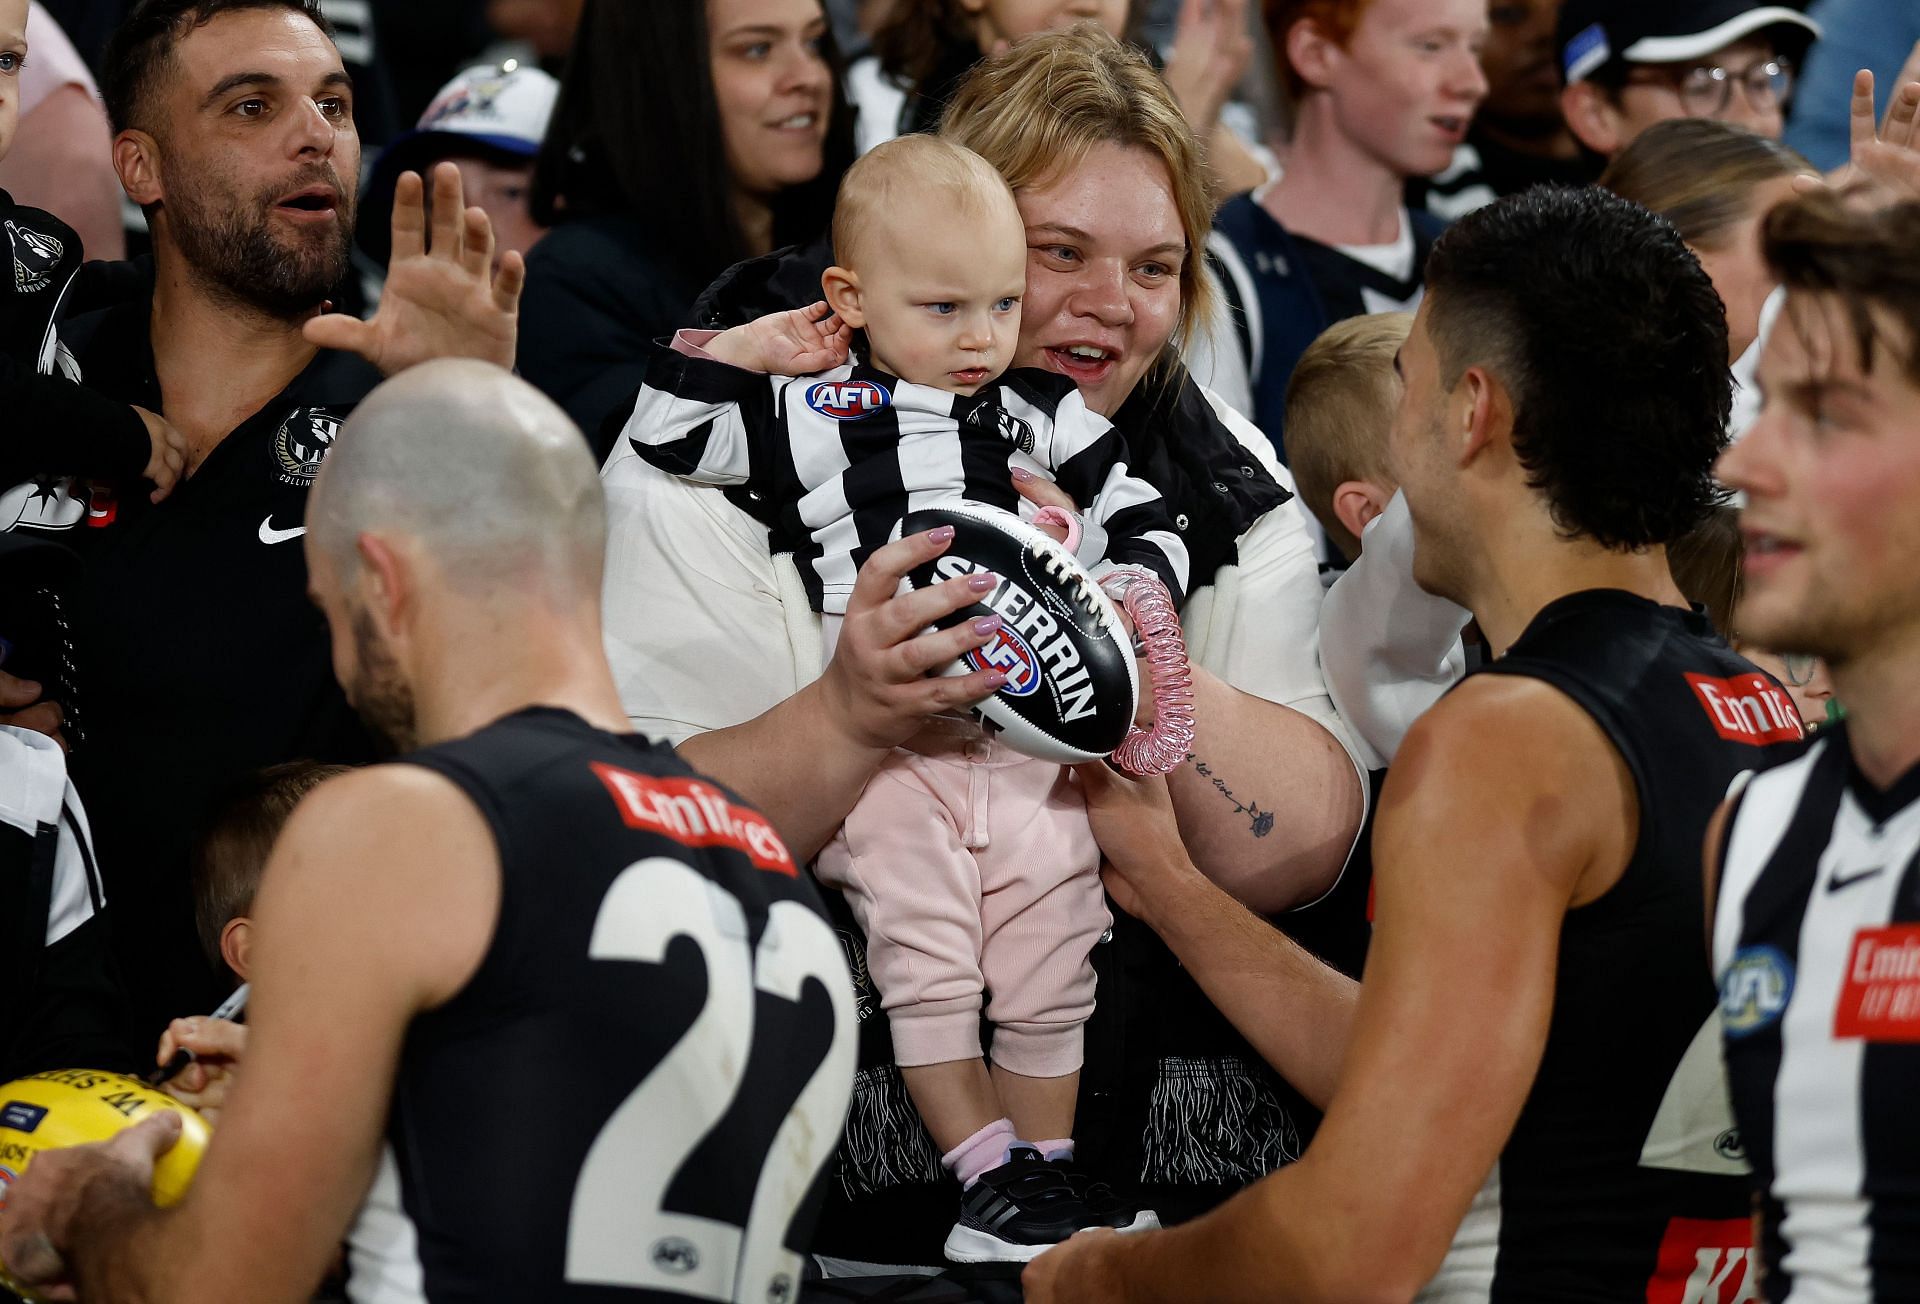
(70, 1107)
(1071, 686)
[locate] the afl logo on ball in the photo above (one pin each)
(302, 443)
(1755, 989)
(848, 400)
(1006, 651)
(6, 1179)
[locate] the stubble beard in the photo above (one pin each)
(231, 247)
(379, 692)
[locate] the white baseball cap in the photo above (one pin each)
(497, 111)
(504, 106)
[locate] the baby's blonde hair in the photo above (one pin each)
(913, 166)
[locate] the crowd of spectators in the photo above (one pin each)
(1272, 242)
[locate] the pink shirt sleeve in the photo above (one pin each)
(52, 62)
(693, 344)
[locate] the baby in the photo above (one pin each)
(970, 867)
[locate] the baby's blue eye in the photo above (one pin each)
(11, 62)
(940, 309)
(1006, 305)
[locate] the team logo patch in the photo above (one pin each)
(994, 419)
(1007, 651)
(20, 1116)
(35, 258)
(848, 400)
(1749, 709)
(475, 98)
(1755, 990)
(694, 814)
(1880, 998)
(42, 504)
(302, 444)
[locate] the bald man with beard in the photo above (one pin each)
(538, 945)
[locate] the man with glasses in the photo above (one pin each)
(1631, 63)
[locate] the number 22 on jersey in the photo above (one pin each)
(619, 1232)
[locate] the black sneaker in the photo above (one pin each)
(1108, 1207)
(1016, 1212)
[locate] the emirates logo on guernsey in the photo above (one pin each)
(695, 814)
(1880, 997)
(1748, 709)
(1706, 1261)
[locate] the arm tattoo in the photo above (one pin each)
(1260, 820)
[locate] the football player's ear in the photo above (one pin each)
(842, 289)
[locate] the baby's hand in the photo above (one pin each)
(169, 460)
(796, 343)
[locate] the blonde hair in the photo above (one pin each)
(1036, 111)
(1340, 403)
(907, 166)
(1700, 175)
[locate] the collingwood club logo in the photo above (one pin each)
(35, 257)
(302, 443)
(994, 419)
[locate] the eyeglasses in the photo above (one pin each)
(1706, 91)
(1800, 668)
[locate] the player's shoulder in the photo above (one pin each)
(1493, 731)
(382, 806)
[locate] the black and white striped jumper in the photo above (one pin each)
(833, 461)
(1817, 947)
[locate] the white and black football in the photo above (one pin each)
(1071, 686)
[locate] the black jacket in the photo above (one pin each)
(52, 426)
(595, 299)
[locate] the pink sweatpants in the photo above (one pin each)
(972, 869)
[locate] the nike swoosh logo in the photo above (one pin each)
(270, 535)
(1836, 883)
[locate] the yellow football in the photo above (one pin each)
(70, 1107)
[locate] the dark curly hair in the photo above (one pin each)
(145, 40)
(1611, 341)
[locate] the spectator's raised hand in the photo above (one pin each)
(21, 707)
(1211, 51)
(794, 343)
(442, 299)
(217, 1045)
(1884, 162)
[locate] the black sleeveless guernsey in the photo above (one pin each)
(1623, 1178)
(636, 1095)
